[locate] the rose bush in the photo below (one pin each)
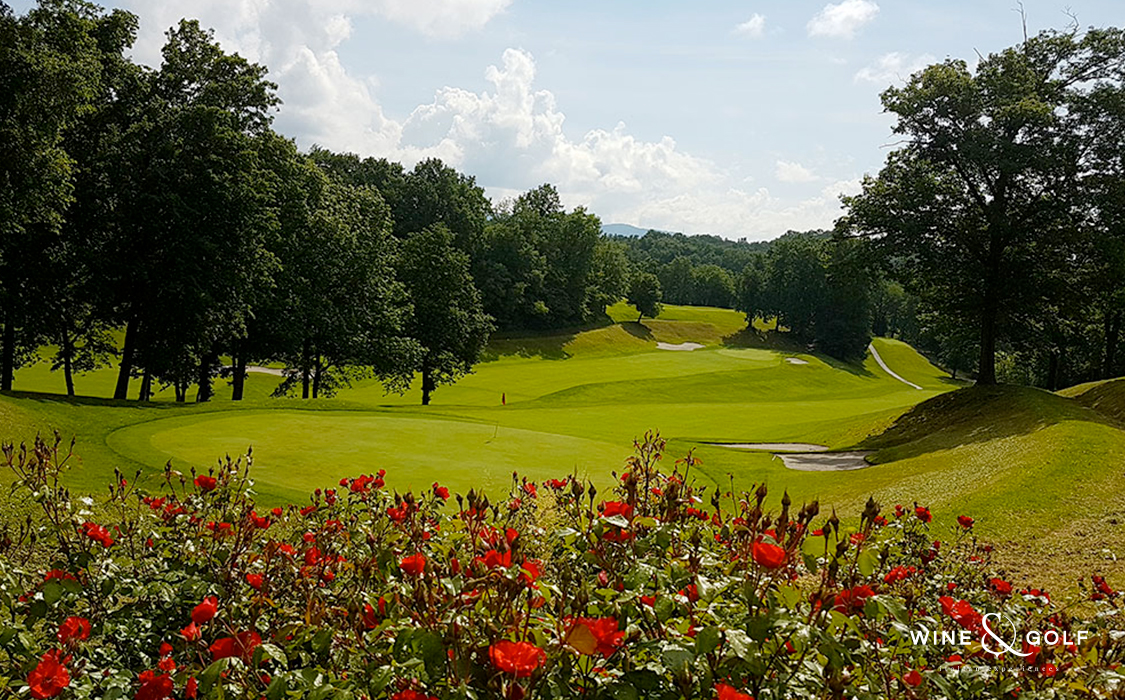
(661, 589)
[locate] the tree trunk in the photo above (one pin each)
(206, 389)
(986, 366)
(146, 387)
(640, 317)
(181, 391)
(8, 356)
(238, 378)
(66, 349)
(306, 363)
(126, 369)
(1053, 370)
(427, 384)
(317, 369)
(1112, 336)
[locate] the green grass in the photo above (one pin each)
(1106, 397)
(1044, 472)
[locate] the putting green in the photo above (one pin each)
(298, 451)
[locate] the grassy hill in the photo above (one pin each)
(575, 401)
(1040, 470)
(1043, 472)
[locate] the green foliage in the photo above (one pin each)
(982, 212)
(645, 294)
(448, 322)
(644, 590)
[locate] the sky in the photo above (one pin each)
(737, 118)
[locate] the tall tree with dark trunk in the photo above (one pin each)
(973, 211)
(49, 72)
(448, 323)
(335, 309)
(188, 242)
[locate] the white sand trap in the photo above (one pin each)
(827, 462)
(796, 361)
(801, 447)
(262, 370)
(682, 346)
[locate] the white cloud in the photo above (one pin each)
(511, 135)
(894, 67)
(754, 27)
(842, 20)
(794, 172)
(441, 18)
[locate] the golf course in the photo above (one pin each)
(1038, 470)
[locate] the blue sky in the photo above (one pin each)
(743, 119)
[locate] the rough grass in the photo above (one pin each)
(1106, 397)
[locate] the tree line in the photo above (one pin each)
(161, 202)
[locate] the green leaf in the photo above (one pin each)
(277, 688)
(868, 561)
(52, 591)
(618, 520)
(211, 674)
(707, 640)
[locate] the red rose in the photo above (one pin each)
(965, 521)
(610, 508)
(255, 581)
(241, 645)
(154, 687)
(191, 689)
(1000, 586)
(206, 610)
(768, 556)
(852, 600)
(493, 559)
(98, 534)
(49, 677)
(74, 628)
(596, 635)
(726, 692)
(191, 632)
(913, 679)
(518, 658)
(414, 565)
(205, 483)
(923, 514)
(441, 492)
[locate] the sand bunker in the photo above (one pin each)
(682, 346)
(826, 462)
(796, 361)
(801, 447)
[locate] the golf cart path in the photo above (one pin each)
(888, 370)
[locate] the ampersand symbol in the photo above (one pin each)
(1004, 646)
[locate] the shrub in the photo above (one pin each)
(662, 589)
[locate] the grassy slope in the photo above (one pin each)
(1041, 471)
(1025, 463)
(575, 401)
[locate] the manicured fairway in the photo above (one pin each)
(575, 402)
(1016, 459)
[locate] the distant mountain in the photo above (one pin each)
(623, 230)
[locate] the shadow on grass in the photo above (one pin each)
(44, 397)
(549, 344)
(781, 341)
(973, 415)
(638, 330)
